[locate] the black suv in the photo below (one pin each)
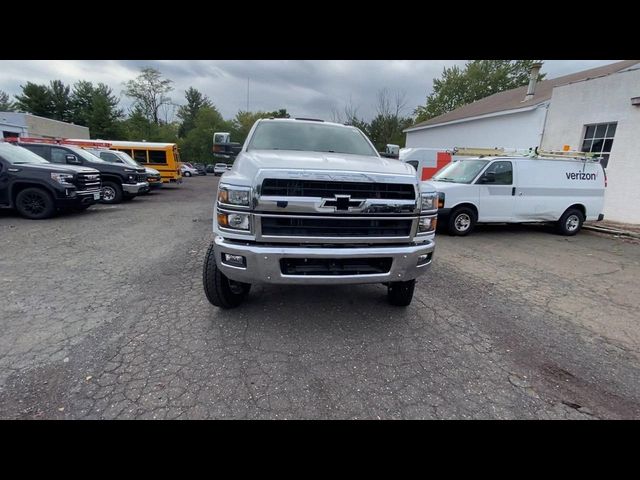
(118, 181)
(36, 188)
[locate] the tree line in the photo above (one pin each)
(153, 116)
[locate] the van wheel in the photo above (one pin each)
(111, 193)
(462, 221)
(400, 294)
(570, 222)
(219, 289)
(35, 203)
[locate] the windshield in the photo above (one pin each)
(462, 171)
(84, 154)
(127, 159)
(314, 137)
(17, 155)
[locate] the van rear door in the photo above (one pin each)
(497, 200)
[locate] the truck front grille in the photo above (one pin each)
(335, 266)
(88, 181)
(335, 227)
(282, 187)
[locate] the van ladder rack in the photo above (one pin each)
(531, 153)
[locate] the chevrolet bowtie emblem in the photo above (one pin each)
(343, 203)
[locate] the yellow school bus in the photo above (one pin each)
(164, 157)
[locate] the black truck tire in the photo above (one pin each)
(401, 293)
(111, 192)
(220, 290)
(35, 203)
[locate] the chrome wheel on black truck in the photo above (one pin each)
(220, 290)
(35, 203)
(111, 193)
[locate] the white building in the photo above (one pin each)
(26, 125)
(592, 110)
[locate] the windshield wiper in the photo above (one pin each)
(445, 179)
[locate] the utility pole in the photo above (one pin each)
(247, 94)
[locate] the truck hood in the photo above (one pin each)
(253, 161)
(55, 167)
(441, 186)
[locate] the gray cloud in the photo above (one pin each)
(310, 88)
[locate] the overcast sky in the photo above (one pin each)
(306, 88)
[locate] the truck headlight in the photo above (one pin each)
(427, 224)
(65, 179)
(131, 178)
(232, 195)
(429, 201)
(236, 221)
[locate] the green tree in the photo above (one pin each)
(35, 99)
(197, 146)
(138, 127)
(6, 105)
(61, 107)
(187, 113)
(149, 93)
(478, 79)
(386, 127)
(282, 113)
(97, 108)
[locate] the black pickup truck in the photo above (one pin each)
(37, 188)
(118, 181)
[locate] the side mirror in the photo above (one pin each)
(72, 159)
(488, 177)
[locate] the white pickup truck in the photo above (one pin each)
(312, 203)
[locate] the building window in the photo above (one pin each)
(599, 139)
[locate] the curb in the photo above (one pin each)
(612, 231)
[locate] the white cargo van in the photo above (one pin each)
(520, 189)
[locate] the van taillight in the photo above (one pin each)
(605, 178)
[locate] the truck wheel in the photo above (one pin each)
(220, 290)
(570, 222)
(111, 193)
(35, 203)
(401, 293)
(461, 221)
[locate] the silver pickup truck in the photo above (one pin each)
(309, 202)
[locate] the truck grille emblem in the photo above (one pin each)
(342, 203)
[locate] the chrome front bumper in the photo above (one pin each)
(263, 262)
(135, 187)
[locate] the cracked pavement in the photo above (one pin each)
(103, 315)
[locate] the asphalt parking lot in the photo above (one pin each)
(103, 315)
